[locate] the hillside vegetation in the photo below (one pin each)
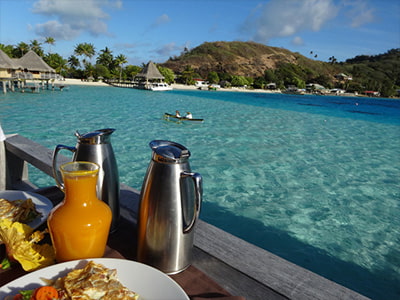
(231, 64)
(260, 64)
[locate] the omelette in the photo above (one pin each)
(22, 211)
(93, 282)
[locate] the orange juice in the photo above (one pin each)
(79, 225)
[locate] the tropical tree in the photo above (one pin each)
(36, 47)
(73, 62)
(187, 75)
(102, 71)
(259, 83)
(7, 49)
(89, 70)
(131, 71)
(213, 77)
(56, 61)
(119, 61)
(106, 58)
(269, 76)
(332, 60)
(86, 50)
(51, 41)
(168, 74)
(239, 80)
(20, 50)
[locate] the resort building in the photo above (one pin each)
(16, 71)
(149, 75)
(7, 66)
(343, 77)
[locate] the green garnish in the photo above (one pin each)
(26, 295)
(5, 263)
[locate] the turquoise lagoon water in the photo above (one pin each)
(312, 179)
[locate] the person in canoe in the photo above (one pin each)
(178, 114)
(189, 115)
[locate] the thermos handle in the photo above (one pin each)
(198, 186)
(56, 174)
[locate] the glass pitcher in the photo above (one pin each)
(80, 224)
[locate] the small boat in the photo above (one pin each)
(174, 118)
(160, 86)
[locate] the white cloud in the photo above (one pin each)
(162, 20)
(71, 18)
(282, 18)
(168, 49)
(359, 13)
(298, 41)
(56, 30)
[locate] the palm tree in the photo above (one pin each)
(105, 58)
(73, 62)
(332, 60)
(119, 61)
(86, 50)
(7, 49)
(51, 41)
(187, 74)
(36, 47)
(56, 61)
(21, 49)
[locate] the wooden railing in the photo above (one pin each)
(240, 267)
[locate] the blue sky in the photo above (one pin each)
(155, 30)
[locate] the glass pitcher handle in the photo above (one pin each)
(198, 186)
(56, 173)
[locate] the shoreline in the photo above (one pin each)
(176, 86)
(72, 81)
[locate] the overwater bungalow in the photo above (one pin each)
(30, 68)
(7, 69)
(34, 67)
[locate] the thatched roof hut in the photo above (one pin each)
(150, 72)
(6, 62)
(33, 62)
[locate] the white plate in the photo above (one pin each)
(43, 205)
(148, 282)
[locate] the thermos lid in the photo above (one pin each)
(100, 136)
(167, 151)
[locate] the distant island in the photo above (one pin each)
(234, 64)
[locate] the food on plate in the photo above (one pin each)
(23, 211)
(22, 245)
(93, 282)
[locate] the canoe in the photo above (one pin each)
(173, 118)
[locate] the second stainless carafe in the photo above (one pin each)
(170, 203)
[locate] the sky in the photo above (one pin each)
(156, 30)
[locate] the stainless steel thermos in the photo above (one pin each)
(169, 206)
(96, 147)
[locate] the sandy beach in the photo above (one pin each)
(176, 86)
(71, 81)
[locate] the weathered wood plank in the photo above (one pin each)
(34, 153)
(281, 276)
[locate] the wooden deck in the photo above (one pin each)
(241, 268)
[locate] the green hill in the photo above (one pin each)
(262, 64)
(237, 58)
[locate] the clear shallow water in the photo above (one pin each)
(315, 180)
